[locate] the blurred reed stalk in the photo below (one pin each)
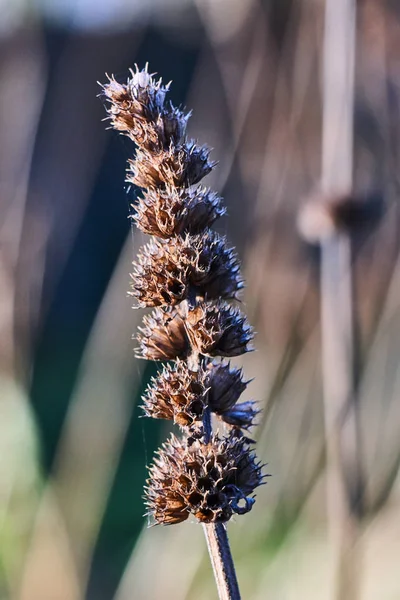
(186, 273)
(344, 485)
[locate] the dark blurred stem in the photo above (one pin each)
(216, 535)
(344, 480)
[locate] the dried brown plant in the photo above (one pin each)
(187, 272)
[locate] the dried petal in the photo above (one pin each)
(177, 394)
(163, 336)
(218, 330)
(211, 481)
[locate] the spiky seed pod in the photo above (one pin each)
(178, 394)
(179, 166)
(210, 481)
(225, 385)
(225, 388)
(167, 270)
(214, 270)
(176, 211)
(160, 276)
(242, 415)
(163, 336)
(217, 329)
(137, 109)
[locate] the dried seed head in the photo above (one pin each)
(167, 270)
(160, 277)
(242, 415)
(214, 270)
(210, 481)
(225, 384)
(169, 212)
(225, 388)
(218, 330)
(174, 123)
(177, 394)
(137, 109)
(177, 166)
(163, 336)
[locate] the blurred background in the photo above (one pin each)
(73, 448)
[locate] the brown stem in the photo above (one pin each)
(221, 560)
(216, 535)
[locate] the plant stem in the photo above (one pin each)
(218, 544)
(215, 533)
(344, 485)
(221, 560)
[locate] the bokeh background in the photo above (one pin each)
(73, 448)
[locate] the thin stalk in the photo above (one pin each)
(221, 560)
(215, 533)
(218, 545)
(344, 486)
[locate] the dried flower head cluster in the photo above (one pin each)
(211, 481)
(186, 273)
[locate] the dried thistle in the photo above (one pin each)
(187, 272)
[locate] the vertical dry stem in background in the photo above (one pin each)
(187, 272)
(344, 488)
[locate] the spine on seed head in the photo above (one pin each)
(186, 273)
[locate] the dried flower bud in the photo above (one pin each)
(169, 212)
(214, 269)
(179, 166)
(242, 415)
(211, 481)
(174, 123)
(225, 385)
(160, 277)
(163, 336)
(177, 394)
(137, 110)
(218, 330)
(166, 271)
(225, 388)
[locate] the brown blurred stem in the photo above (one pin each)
(344, 487)
(215, 533)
